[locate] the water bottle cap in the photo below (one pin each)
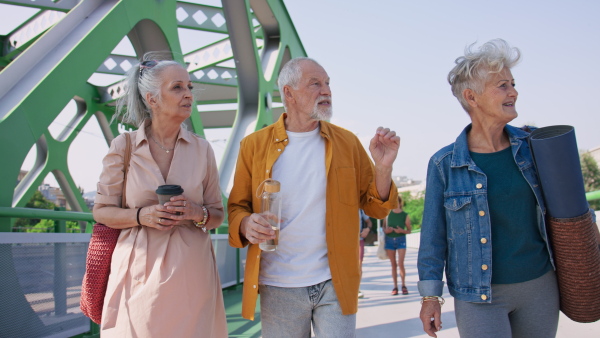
(272, 186)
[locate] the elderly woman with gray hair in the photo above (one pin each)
(164, 280)
(484, 213)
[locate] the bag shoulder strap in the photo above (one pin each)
(126, 159)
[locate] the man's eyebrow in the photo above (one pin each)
(317, 79)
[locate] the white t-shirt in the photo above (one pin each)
(301, 255)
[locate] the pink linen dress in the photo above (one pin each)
(162, 283)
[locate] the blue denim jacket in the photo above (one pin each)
(456, 229)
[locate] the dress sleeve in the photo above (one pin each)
(110, 184)
(212, 191)
(433, 246)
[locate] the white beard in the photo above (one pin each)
(321, 113)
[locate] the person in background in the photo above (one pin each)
(484, 213)
(164, 280)
(396, 226)
(312, 278)
(365, 225)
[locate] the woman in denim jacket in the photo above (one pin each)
(484, 213)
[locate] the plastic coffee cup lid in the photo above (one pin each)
(169, 189)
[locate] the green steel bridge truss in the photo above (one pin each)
(46, 62)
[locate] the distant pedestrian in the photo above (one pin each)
(396, 226)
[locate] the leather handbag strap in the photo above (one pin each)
(126, 159)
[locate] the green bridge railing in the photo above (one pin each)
(41, 273)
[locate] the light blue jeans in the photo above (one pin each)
(289, 312)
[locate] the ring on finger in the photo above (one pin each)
(184, 203)
(159, 220)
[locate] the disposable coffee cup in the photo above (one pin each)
(165, 192)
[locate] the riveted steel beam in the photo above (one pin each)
(62, 5)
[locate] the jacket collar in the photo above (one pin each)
(461, 156)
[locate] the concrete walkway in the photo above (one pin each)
(382, 315)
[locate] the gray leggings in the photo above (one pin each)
(528, 309)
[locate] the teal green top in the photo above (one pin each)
(396, 221)
(518, 251)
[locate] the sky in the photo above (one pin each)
(388, 61)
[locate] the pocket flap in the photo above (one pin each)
(455, 203)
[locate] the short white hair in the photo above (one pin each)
(473, 69)
(290, 75)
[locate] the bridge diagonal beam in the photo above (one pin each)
(62, 5)
(22, 37)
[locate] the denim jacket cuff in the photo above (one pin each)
(430, 287)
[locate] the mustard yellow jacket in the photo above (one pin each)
(350, 185)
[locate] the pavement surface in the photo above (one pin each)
(382, 315)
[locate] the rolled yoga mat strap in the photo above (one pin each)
(577, 259)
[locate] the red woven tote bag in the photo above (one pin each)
(99, 256)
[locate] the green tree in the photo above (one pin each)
(37, 201)
(73, 226)
(45, 225)
(591, 176)
(414, 205)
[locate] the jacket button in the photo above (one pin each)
(484, 297)
(484, 267)
(254, 286)
(277, 139)
(479, 185)
(481, 213)
(267, 171)
(483, 240)
(278, 149)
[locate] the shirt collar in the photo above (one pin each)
(184, 134)
(280, 133)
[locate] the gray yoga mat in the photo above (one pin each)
(557, 161)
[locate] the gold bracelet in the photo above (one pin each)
(440, 299)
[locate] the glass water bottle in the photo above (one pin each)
(270, 209)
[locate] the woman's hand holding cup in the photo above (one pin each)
(183, 210)
(157, 216)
